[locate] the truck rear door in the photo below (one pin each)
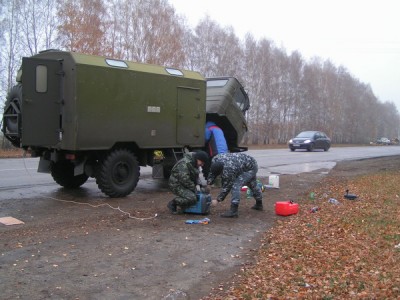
(191, 117)
(41, 107)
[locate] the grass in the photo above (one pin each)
(350, 250)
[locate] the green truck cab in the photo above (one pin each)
(92, 116)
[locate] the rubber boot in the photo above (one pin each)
(232, 213)
(172, 207)
(258, 205)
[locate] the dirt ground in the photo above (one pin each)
(69, 247)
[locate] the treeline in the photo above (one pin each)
(288, 94)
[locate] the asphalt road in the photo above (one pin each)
(17, 174)
(283, 161)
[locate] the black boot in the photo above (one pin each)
(232, 213)
(172, 206)
(258, 205)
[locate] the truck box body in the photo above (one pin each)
(94, 104)
(92, 116)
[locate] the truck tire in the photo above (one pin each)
(63, 173)
(12, 108)
(118, 173)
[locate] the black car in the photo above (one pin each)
(310, 140)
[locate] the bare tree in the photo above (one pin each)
(217, 50)
(287, 93)
(389, 126)
(296, 66)
(81, 25)
(38, 25)
(10, 47)
(147, 31)
(113, 33)
(259, 80)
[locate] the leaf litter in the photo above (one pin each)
(338, 252)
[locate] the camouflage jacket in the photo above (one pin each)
(184, 173)
(234, 165)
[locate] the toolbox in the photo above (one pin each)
(202, 207)
(286, 208)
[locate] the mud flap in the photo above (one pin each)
(44, 166)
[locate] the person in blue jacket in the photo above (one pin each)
(215, 144)
(215, 140)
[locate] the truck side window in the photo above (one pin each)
(116, 63)
(41, 79)
(241, 100)
(175, 72)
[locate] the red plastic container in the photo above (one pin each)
(286, 208)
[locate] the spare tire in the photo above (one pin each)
(12, 115)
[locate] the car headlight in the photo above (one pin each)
(307, 141)
(290, 141)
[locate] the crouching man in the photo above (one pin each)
(236, 170)
(184, 179)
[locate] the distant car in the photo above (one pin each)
(310, 140)
(383, 141)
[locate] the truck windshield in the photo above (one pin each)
(217, 83)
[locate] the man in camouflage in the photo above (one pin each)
(237, 170)
(184, 179)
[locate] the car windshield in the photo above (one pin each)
(305, 134)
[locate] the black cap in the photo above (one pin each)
(216, 168)
(201, 155)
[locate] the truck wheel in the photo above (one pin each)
(118, 173)
(12, 108)
(63, 173)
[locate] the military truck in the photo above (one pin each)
(92, 116)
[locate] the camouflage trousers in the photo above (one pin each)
(184, 197)
(250, 180)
